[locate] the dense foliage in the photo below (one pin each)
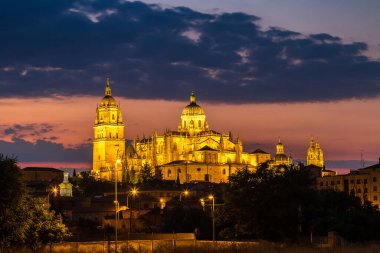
(24, 221)
(282, 204)
(181, 219)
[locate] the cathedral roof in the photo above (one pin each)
(259, 151)
(181, 162)
(206, 148)
(193, 108)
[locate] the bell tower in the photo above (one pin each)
(109, 141)
(315, 154)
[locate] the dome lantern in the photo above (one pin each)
(107, 91)
(192, 98)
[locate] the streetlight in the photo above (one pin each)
(132, 193)
(185, 192)
(54, 191)
(116, 204)
(211, 197)
(202, 203)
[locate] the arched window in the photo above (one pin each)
(224, 171)
(110, 135)
(184, 123)
(113, 116)
(169, 173)
(175, 146)
(191, 122)
(117, 135)
(199, 123)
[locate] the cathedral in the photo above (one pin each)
(192, 153)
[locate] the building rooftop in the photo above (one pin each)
(42, 169)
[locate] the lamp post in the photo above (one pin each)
(211, 197)
(185, 192)
(132, 193)
(54, 191)
(116, 205)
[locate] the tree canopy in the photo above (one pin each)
(24, 221)
(281, 204)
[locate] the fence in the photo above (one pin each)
(141, 243)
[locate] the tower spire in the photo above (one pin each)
(107, 91)
(192, 97)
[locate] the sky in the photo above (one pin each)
(263, 70)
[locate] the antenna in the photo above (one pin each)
(362, 163)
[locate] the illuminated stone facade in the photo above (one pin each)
(194, 152)
(109, 141)
(363, 183)
(315, 154)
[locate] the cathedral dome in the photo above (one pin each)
(193, 108)
(107, 101)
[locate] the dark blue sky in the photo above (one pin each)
(66, 47)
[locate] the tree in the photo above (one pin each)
(87, 185)
(13, 211)
(45, 226)
(132, 176)
(23, 219)
(146, 174)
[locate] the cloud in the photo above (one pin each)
(68, 47)
(19, 130)
(45, 151)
